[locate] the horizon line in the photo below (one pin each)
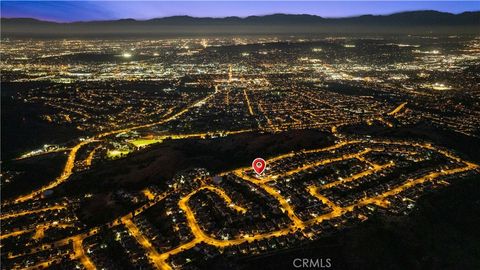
(239, 17)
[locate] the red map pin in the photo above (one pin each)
(259, 165)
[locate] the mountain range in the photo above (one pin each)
(406, 22)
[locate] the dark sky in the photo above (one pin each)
(66, 11)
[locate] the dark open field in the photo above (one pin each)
(33, 173)
(22, 128)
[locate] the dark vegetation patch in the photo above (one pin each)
(32, 174)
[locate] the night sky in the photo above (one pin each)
(67, 11)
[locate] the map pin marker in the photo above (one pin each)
(259, 165)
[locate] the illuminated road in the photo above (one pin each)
(264, 183)
(323, 162)
(250, 109)
(397, 109)
(88, 160)
(269, 121)
(150, 196)
(39, 229)
(200, 236)
(284, 205)
(79, 254)
(163, 121)
(302, 168)
(14, 233)
(284, 173)
(31, 154)
(336, 210)
(240, 171)
(29, 212)
(67, 171)
(78, 239)
(159, 259)
(225, 197)
(385, 122)
(359, 175)
(144, 242)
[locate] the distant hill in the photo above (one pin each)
(405, 22)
